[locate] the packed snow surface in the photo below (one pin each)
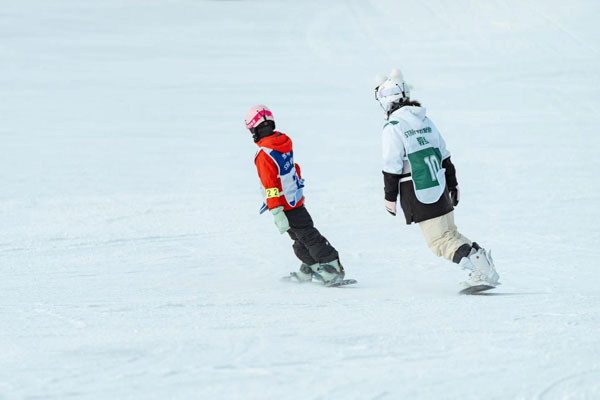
(133, 261)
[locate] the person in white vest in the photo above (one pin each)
(417, 170)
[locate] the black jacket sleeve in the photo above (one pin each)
(390, 183)
(451, 181)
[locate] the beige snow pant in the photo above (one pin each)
(442, 236)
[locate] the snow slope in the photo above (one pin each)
(134, 264)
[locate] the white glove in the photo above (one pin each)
(281, 221)
(390, 206)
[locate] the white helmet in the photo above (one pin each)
(391, 90)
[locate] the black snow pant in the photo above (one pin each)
(309, 245)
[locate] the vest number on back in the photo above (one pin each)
(434, 166)
(425, 165)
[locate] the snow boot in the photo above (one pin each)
(304, 274)
(329, 272)
(481, 265)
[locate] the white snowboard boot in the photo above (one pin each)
(304, 274)
(330, 272)
(481, 265)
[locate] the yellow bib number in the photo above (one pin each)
(272, 192)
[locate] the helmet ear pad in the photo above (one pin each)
(262, 130)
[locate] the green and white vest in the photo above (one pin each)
(412, 144)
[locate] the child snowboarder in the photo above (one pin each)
(282, 187)
(417, 168)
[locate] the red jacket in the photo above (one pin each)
(270, 174)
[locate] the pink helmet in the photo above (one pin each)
(258, 114)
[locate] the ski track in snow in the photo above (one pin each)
(134, 264)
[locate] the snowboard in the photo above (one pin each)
(343, 282)
(476, 289)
